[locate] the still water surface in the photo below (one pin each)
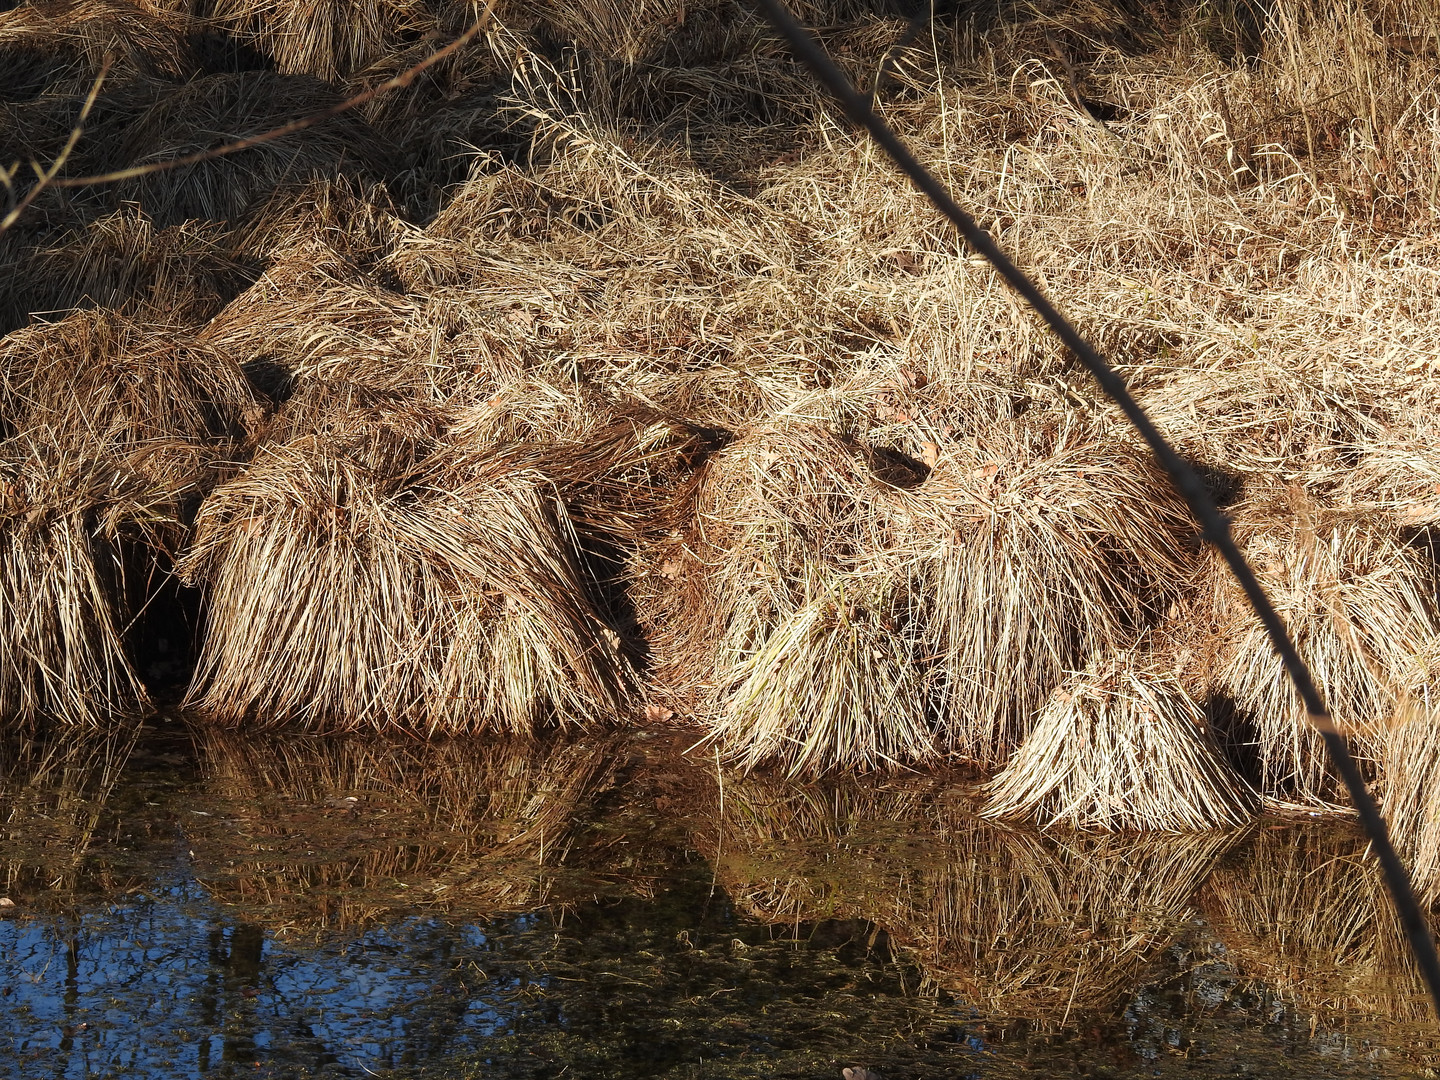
(189, 905)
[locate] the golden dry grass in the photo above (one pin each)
(108, 429)
(398, 578)
(643, 230)
(1122, 745)
(1360, 602)
(1408, 757)
(851, 604)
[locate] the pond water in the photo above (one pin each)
(184, 904)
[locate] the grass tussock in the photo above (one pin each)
(399, 579)
(852, 604)
(1359, 601)
(859, 505)
(1122, 746)
(1409, 758)
(108, 431)
(123, 262)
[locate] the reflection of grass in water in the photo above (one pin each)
(54, 789)
(1305, 911)
(1049, 928)
(341, 831)
(681, 986)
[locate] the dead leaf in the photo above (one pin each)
(911, 379)
(930, 453)
(658, 714)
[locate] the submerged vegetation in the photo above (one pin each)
(604, 375)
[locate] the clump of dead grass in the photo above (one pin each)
(107, 432)
(122, 262)
(1122, 746)
(1359, 602)
(399, 579)
(846, 601)
(333, 43)
(1409, 754)
(1049, 543)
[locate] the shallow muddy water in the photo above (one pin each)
(182, 904)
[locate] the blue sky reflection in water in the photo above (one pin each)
(171, 986)
(308, 909)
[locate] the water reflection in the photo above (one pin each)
(54, 787)
(192, 904)
(1052, 929)
(335, 832)
(1306, 912)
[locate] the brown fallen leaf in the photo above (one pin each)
(658, 714)
(930, 453)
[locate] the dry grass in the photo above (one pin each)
(643, 231)
(398, 578)
(1409, 757)
(1359, 601)
(1122, 746)
(58, 47)
(851, 604)
(1048, 545)
(122, 262)
(333, 43)
(107, 431)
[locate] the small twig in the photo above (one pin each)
(46, 177)
(404, 79)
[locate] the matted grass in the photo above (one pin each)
(1359, 602)
(108, 430)
(851, 604)
(644, 234)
